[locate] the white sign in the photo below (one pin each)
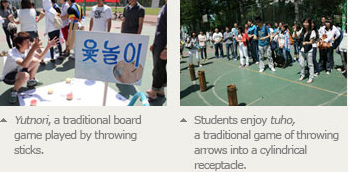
(110, 57)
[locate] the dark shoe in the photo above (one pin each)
(13, 97)
(33, 83)
(53, 60)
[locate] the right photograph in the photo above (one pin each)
(263, 53)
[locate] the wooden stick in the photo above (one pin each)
(202, 81)
(232, 95)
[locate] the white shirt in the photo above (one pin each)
(217, 36)
(202, 39)
(335, 30)
(100, 17)
(27, 18)
(65, 8)
(11, 62)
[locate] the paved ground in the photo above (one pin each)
(59, 71)
(280, 88)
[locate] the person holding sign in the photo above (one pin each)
(159, 51)
(23, 62)
(101, 15)
(133, 19)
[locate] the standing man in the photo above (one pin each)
(159, 52)
(235, 43)
(262, 34)
(228, 39)
(253, 41)
(101, 15)
(133, 18)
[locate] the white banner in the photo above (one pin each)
(110, 57)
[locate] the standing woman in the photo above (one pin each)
(325, 43)
(296, 28)
(307, 38)
(51, 29)
(5, 11)
(192, 45)
(284, 43)
(241, 38)
(314, 46)
(202, 45)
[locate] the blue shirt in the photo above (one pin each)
(262, 32)
(251, 30)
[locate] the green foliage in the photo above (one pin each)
(227, 12)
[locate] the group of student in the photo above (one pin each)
(261, 40)
(25, 55)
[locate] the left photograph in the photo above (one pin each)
(83, 53)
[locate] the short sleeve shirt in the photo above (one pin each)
(11, 61)
(132, 16)
(262, 32)
(100, 17)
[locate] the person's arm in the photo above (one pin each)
(109, 24)
(141, 21)
(109, 19)
(42, 15)
(11, 18)
(337, 33)
(50, 44)
(91, 24)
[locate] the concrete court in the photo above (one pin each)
(280, 88)
(60, 70)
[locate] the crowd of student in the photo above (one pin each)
(25, 54)
(260, 40)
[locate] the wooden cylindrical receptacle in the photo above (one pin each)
(232, 95)
(192, 72)
(202, 82)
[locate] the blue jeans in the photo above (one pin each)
(254, 50)
(217, 47)
(315, 62)
(234, 49)
(228, 48)
(296, 47)
(286, 55)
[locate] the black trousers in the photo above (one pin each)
(51, 35)
(159, 72)
(9, 37)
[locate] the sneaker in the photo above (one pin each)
(301, 79)
(316, 75)
(33, 83)
(235, 59)
(344, 71)
(328, 73)
(240, 66)
(257, 62)
(13, 97)
(339, 69)
(272, 69)
(200, 65)
(247, 65)
(261, 70)
(309, 81)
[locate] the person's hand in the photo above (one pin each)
(53, 42)
(37, 44)
(163, 55)
(151, 47)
